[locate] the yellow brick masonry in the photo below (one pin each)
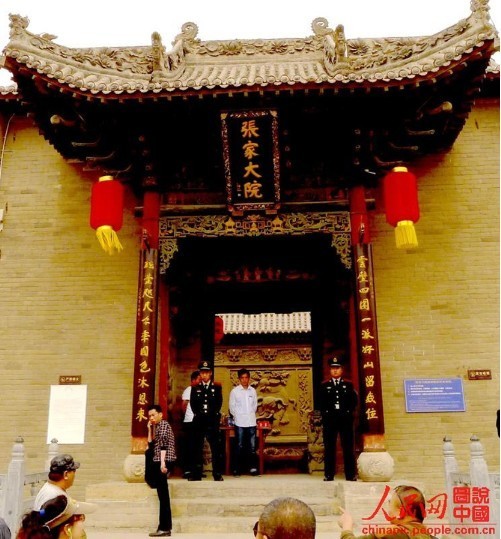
(438, 307)
(68, 308)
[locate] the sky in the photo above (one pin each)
(96, 23)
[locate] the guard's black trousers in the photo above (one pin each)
(332, 426)
(207, 428)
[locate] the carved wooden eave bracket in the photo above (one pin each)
(324, 59)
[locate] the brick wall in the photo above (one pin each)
(66, 307)
(69, 308)
(438, 307)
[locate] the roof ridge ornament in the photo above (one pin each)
(171, 64)
(334, 41)
(480, 7)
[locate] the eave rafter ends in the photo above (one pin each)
(325, 58)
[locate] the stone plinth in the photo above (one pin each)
(134, 468)
(375, 466)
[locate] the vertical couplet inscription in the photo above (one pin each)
(370, 377)
(145, 351)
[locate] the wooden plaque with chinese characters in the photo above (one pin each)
(251, 160)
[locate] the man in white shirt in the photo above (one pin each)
(61, 476)
(188, 457)
(243, 406)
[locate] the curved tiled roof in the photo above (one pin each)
(325, 58)
(238, 323)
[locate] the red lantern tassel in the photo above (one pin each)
(108, 239)
(405, 235)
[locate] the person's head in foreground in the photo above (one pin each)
(286, 518)
(405, 505)
(59, 518)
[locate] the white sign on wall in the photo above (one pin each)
(67, 412)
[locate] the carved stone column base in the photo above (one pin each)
(375, 466)
(134, 468)
(375, 463)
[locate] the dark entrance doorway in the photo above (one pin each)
(279, 274)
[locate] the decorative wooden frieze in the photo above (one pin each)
(248, 356)
(337, 224)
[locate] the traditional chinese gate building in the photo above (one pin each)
(255, 170)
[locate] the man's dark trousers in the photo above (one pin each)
(165, 515)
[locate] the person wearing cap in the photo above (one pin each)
(61, 477)
(206, 401)
(58, 518)
(243, 406)
(338, 403)
(161, 437)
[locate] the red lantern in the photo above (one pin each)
(402, 207)
(106, 208)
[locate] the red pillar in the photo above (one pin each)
(371, 398)
(146, 323)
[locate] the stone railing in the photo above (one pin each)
(18, 489)
(478, 477)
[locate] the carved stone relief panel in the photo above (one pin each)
(282, 377)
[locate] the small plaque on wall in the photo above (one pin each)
(70, 379)
(479, 374)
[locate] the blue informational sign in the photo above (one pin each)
(434, 395)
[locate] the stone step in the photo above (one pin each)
(197, 524)
(244, 506)
(238, 524)
(267, 486)
(142, 533)
(230, 506)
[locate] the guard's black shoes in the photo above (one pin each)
(194, 478)
(218, 477)
(328, 478)
(160, 533)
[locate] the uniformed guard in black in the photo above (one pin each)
(338, 402)
(206, 400)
